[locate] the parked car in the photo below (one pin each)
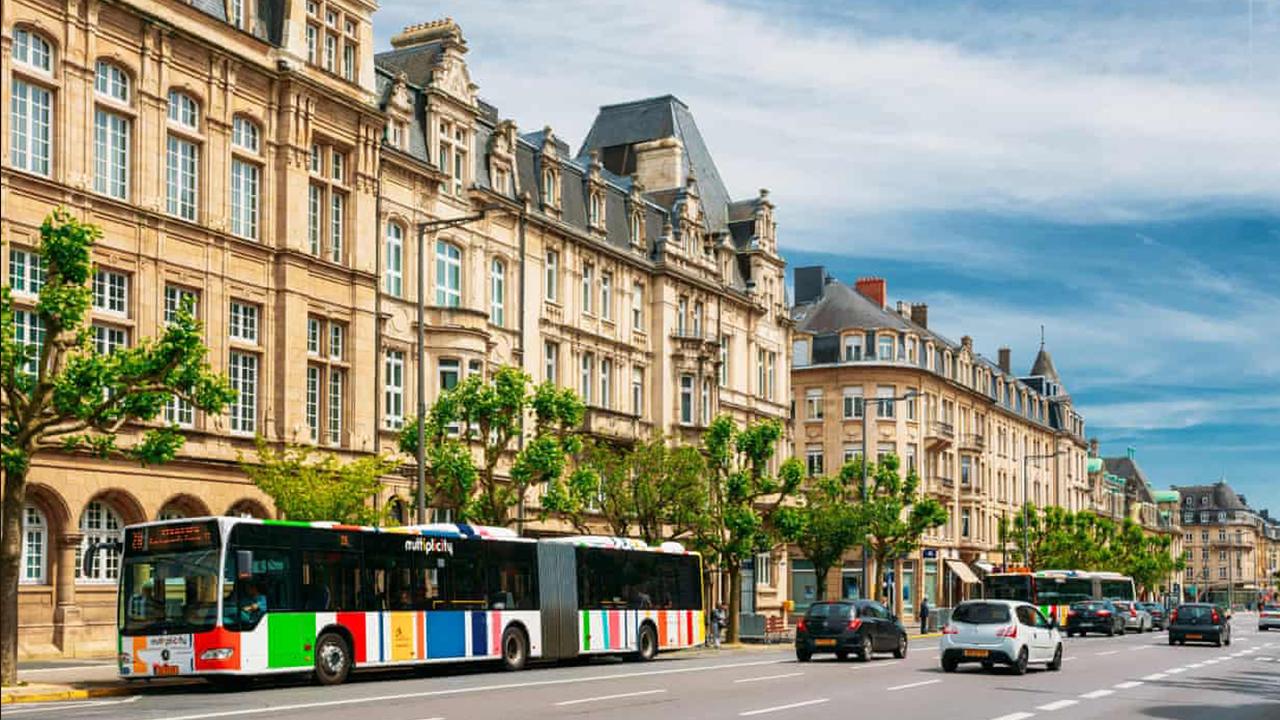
(1000, 632)
(849, 627)
(1199, 622)
(1135, 617)
(1094, 616)
(1156, 611)
(1269, 617)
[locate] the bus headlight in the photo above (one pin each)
(216, 654)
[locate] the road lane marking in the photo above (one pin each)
(1015, 716)
(1175, 671)
(769, 677)
(464, 690)
(1127, 685)
(73, 705)
(776, 708)
(600, 698)
(1073, 657)
(869, 665)
(1155, 676)
(1109, 652)
(1058, 705)
(1097, 694)
(914, 684)
(1195, 666)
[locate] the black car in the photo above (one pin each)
(1156, 611)
(849, 627)
(1100, 616)
(1199, 622)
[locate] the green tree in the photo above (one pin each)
(745, 501)
(892, 514)
(308, 485)
(486, 418)
(825, 526)
(1144, 557)
(60, 394)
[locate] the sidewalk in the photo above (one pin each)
(73, 680)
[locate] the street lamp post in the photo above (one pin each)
(1026, 508)
(423, 229)
(910, 395)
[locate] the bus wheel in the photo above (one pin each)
(515, 649)
(647, 644)
(333, 659)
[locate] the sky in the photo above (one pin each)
(1108, 170)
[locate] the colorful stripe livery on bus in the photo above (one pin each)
(232, 596)
(1053, 591)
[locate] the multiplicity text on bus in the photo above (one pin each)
(231, 596)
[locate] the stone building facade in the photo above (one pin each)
(1122, 491)
(966, 432)
(258, 159)
(1229, 547)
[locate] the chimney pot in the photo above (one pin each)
(1006, 360)
(874, 289)
(967, 342)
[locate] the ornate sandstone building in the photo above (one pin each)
(258, 158)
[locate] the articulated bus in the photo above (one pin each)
(1053, 591)
(223, 597)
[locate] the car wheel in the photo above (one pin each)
(988, 666)
(949, 664)
(1056, 663)
(333, 659)
(803, 654)
(1070, 634)
(646, 644)
(842, 655)
(1172, 641)
(864, 649)
(1227, 642)
(901, 651)
(1111, 632)
(1217, 642)
(515, 648)
(1020, 665)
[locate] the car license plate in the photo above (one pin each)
(1194, 636)
(825, 642)
(976, 653)
(166, 670)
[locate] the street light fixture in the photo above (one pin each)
(423, 228)
(1026, 519)
(910, 395)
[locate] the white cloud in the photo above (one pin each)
(839, 123)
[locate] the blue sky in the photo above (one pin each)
(1110, 170)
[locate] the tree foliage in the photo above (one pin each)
(308, 485)
(473, 427)
(60, 393)
(825, 526)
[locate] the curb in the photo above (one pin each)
(13, 698)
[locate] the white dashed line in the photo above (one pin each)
(1127, 685)
(600, 698)
(1155, 676)
(1065, 659)
(874, 665)
(1195, 666)
(1175, 671)
(768, 677)
(776, 708)
(1097, 694)
(1015, 716)
(914, 684)
(1058, 705)
(1109, 652)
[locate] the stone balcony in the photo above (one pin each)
(939, 435)
(973, 442)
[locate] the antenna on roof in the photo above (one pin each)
(1042, 337)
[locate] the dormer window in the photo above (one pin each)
(453, 147)
(637, 229)
(852, 348)
(549, 195)
(596, 209)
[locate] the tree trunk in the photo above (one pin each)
(735, 599)
(15, 496)
(820, 591)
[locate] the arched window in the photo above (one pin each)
(246, 177)
(448, 274)
(171, 511)
(245, 134)
(549, 186)
(111, 131)
(99, 523)
(637, 229)
(35, 545)
(183, 110)
(394, 280)
(31, 105)
(498, 293)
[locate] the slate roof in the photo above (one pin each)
(1043, 366)
(1135, 480)
(214, 8)
(415, 61)
(842, 307)
(1221, 497)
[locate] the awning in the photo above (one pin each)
(985, 567)
(962, 571)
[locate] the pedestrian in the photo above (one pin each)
(924, 616)
(718, 616)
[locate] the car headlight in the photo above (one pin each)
(216, 654)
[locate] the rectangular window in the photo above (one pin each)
(551, 356)
(772, 358)
(706, 402)
(330, 51)
(337, 212)
(177, 297)
(448, 274)
(110, 292)
(588, 376)
(552, 282)
(498, 294)
(394, 282)
(682, 311)
(111, 154)
(450, 371)
(686, 399)
(107, 338)
(182, 175)
(349, 61)
(637, 390)
(697, 318)
(26, 272)
(180, 412)
(315, 201)
(964, 522)
(30, 128)
(800, 353)
(885, 349)
(637, 307)
(724, 360)
(606, 295)
(606, 383)
(911, 459)
(760, 380)
(813, 461)
(853, 403)
(244, 380)
(312, 43)
(244, 322)
(884, 401)
(313, 336)
(28, 331)
(313, 402)
(813, 404)
(852, 348)
(336, 378)
(588, 279)
(244, 198)
(337, 337)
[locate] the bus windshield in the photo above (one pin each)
(169, 579)
(1121, 589)
(1009, 587)
(1063, 591)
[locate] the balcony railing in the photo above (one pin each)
(973, 441)
(940, 434)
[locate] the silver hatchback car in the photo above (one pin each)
(1000, 632)
(1136, 617)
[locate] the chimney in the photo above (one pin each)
(967, 343)
(810, 284)
(874, 289)
(428, 32)
(1093, 447)
(920, 315)
(1006, 361)
(660, 163)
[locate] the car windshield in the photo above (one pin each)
(1122, 606)
(167, 593)
(981, 613)
(823, 610)
(1198, 612)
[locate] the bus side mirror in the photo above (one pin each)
(91, 553)
(244, 564)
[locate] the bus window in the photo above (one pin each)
(1008, 587)
(1121, 589)
(600, 578)
(1062, 591)
(466, 575)
(331, 580)
(511, 577)
(248, 593)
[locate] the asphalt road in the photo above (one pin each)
(1136, 676)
